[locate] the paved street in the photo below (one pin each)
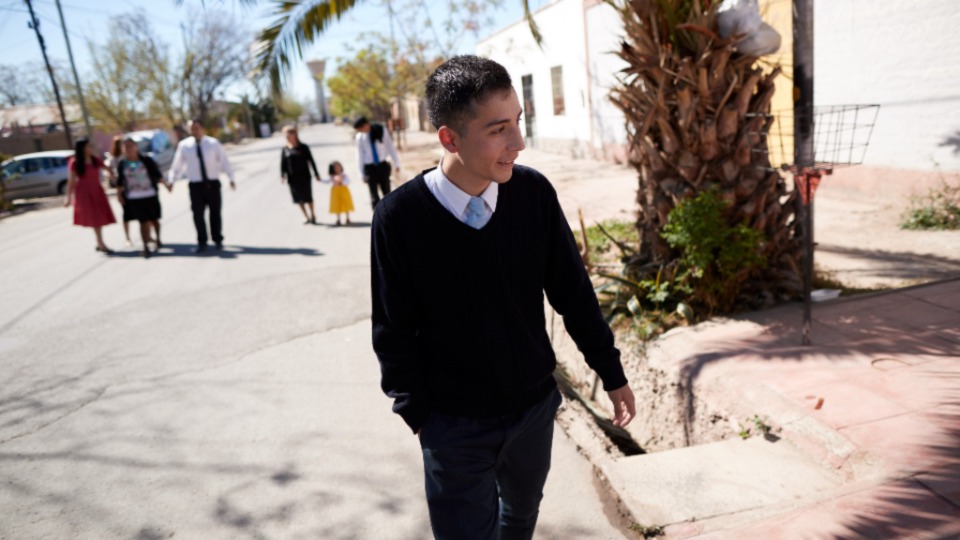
(225, 395)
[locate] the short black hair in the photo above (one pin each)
(362, 121)
(458, 85)
(332, 169)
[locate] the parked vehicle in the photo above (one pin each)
(156, 144)
(40, 174)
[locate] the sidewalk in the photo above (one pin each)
(868, 422)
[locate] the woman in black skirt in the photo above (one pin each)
(138, 178)
(294, 170)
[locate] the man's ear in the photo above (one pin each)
(449, 139)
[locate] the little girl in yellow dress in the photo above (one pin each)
(340, 200)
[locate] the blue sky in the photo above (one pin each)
(87, 21)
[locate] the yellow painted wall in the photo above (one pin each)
(777, 13)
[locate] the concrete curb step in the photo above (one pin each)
(683, 490)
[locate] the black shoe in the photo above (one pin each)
(146, 254)
(200, 248)
(159, 244)
(313, 220)
(219, 247)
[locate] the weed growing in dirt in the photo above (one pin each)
(759, 427)
(645, 531)
(938, 210)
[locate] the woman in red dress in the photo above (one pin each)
(91, 207)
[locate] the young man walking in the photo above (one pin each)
(374, 145)
(461, 258)
(202, 159)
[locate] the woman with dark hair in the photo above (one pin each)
(138, 178)
(91, 207)
(295, 163)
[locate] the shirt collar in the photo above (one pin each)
(458, 198)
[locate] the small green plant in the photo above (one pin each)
(754, 426)
(600, 237)
(652, 305)
(938, 210)
(646, 531)
(717, 255)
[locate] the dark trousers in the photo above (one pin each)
(205, 195)
(378, 179)
(485, 478)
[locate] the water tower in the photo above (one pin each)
(316, 69)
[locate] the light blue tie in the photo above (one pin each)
(476, 216)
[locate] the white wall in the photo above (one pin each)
(604, 34)
(561, 24)
(904, 55)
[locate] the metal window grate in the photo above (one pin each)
(841, 134)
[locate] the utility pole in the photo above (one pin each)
(803, 143)
(35, 25)
(76, 78)
(398, 133)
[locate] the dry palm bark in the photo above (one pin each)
(697, 116)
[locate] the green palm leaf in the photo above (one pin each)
(296, 25)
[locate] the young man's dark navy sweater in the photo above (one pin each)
(458, 313)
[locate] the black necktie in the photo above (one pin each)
(203, 168)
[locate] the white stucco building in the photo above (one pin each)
(564, 86)
(901, 54)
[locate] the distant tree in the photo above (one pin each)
(215, 57)
(117, 91)
(288, 108)
(26, 84)
(361, 85)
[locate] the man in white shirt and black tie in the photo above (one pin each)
(201, 159)
(374, 144)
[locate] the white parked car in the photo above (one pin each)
(40, 174)
(156, 144)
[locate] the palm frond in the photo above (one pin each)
(251, 3)
(296, 25)
(534, 29)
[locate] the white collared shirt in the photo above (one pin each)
(385, 148)
(186, 163)
(455, 199)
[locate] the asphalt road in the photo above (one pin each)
(225, 395)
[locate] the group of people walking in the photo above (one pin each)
(202, 160)
(296, 162)
(373, 145)
(137, 178)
